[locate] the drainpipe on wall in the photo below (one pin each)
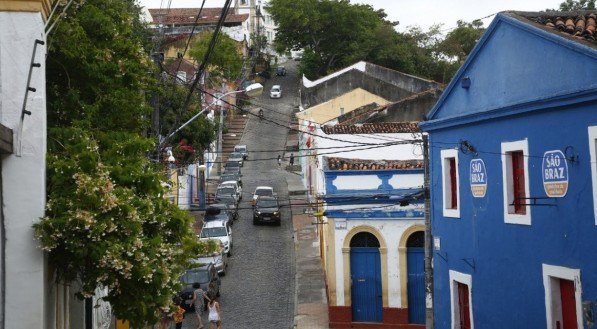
(428, 240)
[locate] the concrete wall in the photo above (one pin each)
(388, 84)
(409, 110)
(23, 177)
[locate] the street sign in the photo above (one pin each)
(478, 178)
(555, 174)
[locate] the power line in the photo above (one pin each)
(190, 37)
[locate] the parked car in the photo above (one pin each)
(216, 208)
(206, 276)
(224, 191)
(218, 258)
(267, 210)
(231, 170)
(275, 92)
(228, 176)
(236, 156)
(242, 149)
(218, 229)
(265, 74)
(281, 71)
(224, 216)
(262, 191)
(235, 185)
(230, 165)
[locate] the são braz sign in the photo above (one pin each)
(555, 174)
(478, 177)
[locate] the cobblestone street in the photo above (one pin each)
(258, 290)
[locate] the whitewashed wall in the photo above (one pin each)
(23, 177)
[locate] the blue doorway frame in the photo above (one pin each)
(415, 267)
(366, 293)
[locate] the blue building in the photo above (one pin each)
(513, 144)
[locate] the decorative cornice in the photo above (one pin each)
(42, 6)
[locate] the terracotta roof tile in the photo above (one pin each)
(581, 25)
(188, 16)
(373, 128)
(359, 164)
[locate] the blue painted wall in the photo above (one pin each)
(515, 65)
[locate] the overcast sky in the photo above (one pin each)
(414, 12)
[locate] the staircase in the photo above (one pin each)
(236, 127)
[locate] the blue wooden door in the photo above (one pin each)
(416, 284)
(365, 273)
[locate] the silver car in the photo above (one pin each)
(236, 157)
(219, 259)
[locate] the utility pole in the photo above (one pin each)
(428, 239)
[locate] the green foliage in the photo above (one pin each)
(107, 223)
(569, 5)
(460, 41)
(225, 61)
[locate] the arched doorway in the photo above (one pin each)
(365, 276)
(415, 255)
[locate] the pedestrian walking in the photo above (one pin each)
(215, 320)
(291, 159)
(178, 314)
(279, 160)
(198, 300)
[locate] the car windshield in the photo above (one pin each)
(225, 178)
(225, 190)
(240, 149)
(232, 164)
(220, 216)
(213, 232)
(264, 192)
(191, 277)
(267, 203)
(275, 90)
(235, 155)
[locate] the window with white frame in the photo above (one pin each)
(593, 154)
(515, 182)
(563, 291)
(450, 183)
(461, 298)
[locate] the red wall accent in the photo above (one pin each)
(393, 318)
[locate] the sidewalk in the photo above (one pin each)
(311, 311)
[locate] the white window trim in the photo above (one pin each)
(464, 279)
(447, 212)
(559, 272)
(593, 153)
(522, 145)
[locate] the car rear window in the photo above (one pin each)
(264, 192)
(191, 277)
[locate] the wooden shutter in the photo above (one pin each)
(453, 182)
(518, 183)
(464, 306)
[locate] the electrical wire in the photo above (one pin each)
(190, 38)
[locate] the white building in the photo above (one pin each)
(24, 285)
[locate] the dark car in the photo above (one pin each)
(265, 74)
(228, 176)
(214, 210)
(227, 191)
(231, 170)
(267, 210)
(231, 166)
(208, 279)
(221, 215)
(227, 199)
(281, 71)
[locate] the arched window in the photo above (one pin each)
(364, 240)
(416, 240)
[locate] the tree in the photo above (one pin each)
(225, 60)
(460, 41)
(333, 33)
(107, 223)
(570, 5)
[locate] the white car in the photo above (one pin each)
(237, 187)
(218, 229)
(225, 192)
(262, 191)
(242, 149)
(276, 92)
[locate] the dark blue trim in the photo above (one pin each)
(501, 17)
(377, 214)
(561, 100)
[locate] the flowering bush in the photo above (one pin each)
(108, 227)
